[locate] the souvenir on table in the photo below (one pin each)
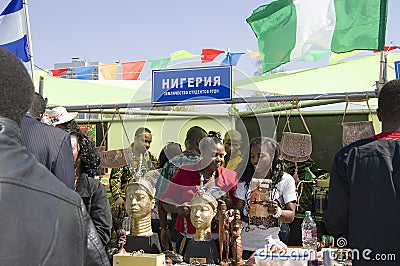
(223, 229)
(230, 239)
(140, 200)
(236, 238)
(203, 209)
(139, 258)
(260, 193)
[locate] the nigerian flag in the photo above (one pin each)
(286, 29)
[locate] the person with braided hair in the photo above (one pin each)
(265, 163)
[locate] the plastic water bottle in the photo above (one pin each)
(309, 232)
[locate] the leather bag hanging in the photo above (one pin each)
(119, 157)
(354, 131)
(296, 147)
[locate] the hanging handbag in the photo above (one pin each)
(354, 131)
(296, 147)
(119, 157)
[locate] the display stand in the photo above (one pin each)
(149, 244)
(202, 249)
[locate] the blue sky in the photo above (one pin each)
(127, 30)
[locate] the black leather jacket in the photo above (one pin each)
(95, 197)
(42, 222)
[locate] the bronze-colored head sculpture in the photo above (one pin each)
(140, 200)
(203, 209)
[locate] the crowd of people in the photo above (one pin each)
(54, 210)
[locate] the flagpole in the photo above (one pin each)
(28, 33)
(382, 71)
(232, 110)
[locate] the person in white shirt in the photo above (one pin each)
(266, 165)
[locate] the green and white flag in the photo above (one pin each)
(286, 29)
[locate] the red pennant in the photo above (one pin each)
(208, 55)
(132, 70)
(58, 72)
(387, 48)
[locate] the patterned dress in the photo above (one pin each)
(171, 168)
(121, 176)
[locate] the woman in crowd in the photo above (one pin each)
(266, 164)
(61, 118)
(206, 172)
(93, 193)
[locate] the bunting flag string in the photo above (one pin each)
(132, 70)
(181, 54)
(58, 72)
(109, 71)
(208, 55)
(84, 73)
(387, 48)
(231, 59)
(253, 54)
(157, 64)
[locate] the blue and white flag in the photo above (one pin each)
(13, 31)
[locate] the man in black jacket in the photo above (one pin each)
(364, 191)
(42, 222)
(50, 145)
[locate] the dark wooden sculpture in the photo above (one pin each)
(229, 232)
(223, 238)
(236, 239)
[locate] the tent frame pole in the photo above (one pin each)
(274, 98)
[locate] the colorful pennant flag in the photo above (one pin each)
(132, 70)
(387, 48)
(109, 71)
(157, 64)
(253, 54)
(84, 72)
(231, 59)
(208, 55)
(181, 54)
(335, 58)
(13, 30)
(59, 71)
(314, 55)
(287, 29)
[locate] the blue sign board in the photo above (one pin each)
(206, 84)
(397, 69)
